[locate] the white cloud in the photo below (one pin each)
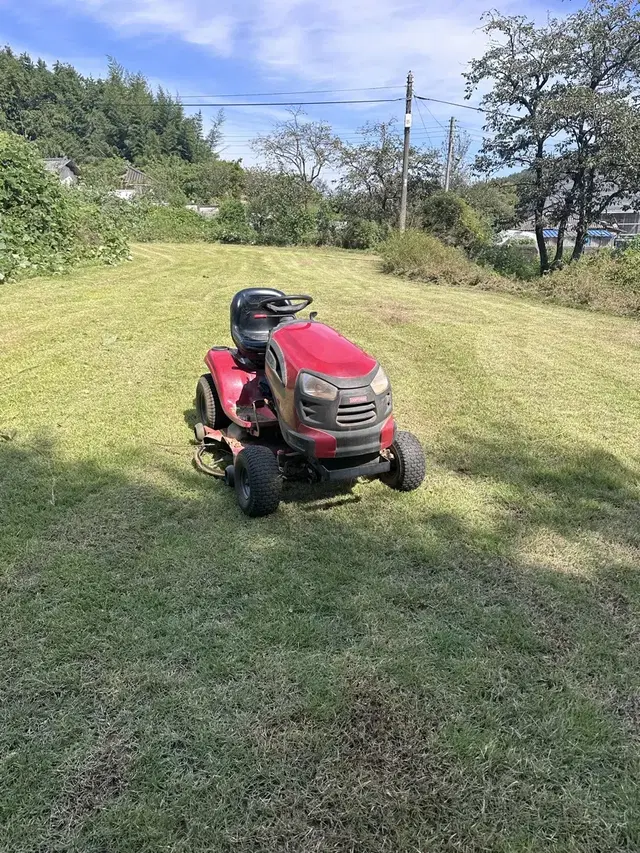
(351, 42)
(191, 20)
(333, 44)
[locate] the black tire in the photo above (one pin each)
(258, 483)
(208, 408)
(408, 465)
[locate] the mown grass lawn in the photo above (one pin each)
(453, 670)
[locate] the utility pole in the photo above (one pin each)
(447, 176)
(405, 156)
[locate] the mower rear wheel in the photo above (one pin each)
(258, 483)
(408, 465)
(208, 408)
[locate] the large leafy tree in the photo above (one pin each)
(278, 206)
(520, 64)
(299, 147)
(495, 200)
(561, 106)
(371, 181)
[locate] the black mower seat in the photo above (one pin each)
(250, 324)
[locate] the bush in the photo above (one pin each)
(168, 224)
(456, 223)
(362, 234)
(177, 181)
(45, 227)
(495, 201)
(36, 228)
(415, 254)
(510, 260)
(105, 174)
(231, 226)
(102, 225)
(605, 281)
(326, 231)
(279, 208)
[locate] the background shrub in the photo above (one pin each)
(36, 224)
(102, 225)
(362, 234)
(328, 222)
(606, 280)
(415, 254)
(230, 225)
(456, 223)
(45, 227)
(510, 260)
(168, 224)
(279, 208)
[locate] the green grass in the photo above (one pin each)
(451, 670)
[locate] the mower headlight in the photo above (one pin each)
(313, 386)
(380, 382)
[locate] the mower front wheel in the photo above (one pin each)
(208, 408)
(258, 483)
(408, 465)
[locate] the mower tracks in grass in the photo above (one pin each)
(451, 670)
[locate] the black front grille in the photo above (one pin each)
(352, 414)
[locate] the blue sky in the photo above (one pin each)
(221, 47)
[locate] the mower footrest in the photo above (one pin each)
(366, 469)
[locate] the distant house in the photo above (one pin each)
(125, 195)
(136, 181)
(597, 238)
(65, 168)
(207, 211)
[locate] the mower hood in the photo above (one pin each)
(310, 345)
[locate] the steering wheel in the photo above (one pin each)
(282, 305)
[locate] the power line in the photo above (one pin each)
(434, 118)
(257, 103)
(465, 106)
(243, 137)
(451, 104)
(302, 92)
(423, 124)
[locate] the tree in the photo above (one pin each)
(178, 181)
(299, 147)
(278, 206)
(214, 136)
(372, 174)
(521, 64)
(600, 125)
(66, 113)
(562, 108)
(448, 216)
(495, 200)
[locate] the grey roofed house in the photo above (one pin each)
(136, 179)
(64, 167)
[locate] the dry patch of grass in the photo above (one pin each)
(93, 782)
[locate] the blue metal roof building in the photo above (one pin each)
(591, 232)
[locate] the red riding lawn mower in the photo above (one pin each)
(296, 400)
